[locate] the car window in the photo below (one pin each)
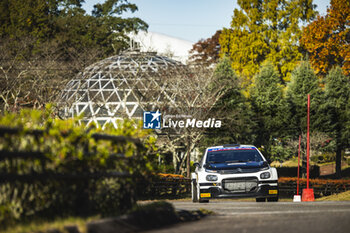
(227, 156)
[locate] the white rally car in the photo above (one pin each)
(231, 171)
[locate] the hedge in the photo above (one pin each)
(60, 179)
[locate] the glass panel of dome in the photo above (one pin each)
(121, 95)
(138, 112)
(131, 97)
(92, 94)
(107, 95)
(112, 108)
(101, 122)
(109, 86)
(131, 108)
(104, 83)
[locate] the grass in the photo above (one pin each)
(44, 226)
(293, 162)
(344, 196)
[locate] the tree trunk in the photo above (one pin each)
(175, 163)
(188, 162)
(338, 162)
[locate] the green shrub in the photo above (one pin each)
(70, 148)
(325, 157)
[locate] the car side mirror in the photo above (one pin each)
(197, 165)
(268, 161)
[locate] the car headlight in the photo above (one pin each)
(211, 171)
(212, 177)
(265, 175)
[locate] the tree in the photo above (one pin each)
(303, 82)
(327, 39)
(45, 43)
(265, 30)
(337, 96)
(267, 104)
(206, 51)
(180, 94)
(66, 22)
(37, 80)
(233, 108)
(22, 18)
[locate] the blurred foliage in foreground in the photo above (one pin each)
(70, 149)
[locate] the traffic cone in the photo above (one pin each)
(308, 195)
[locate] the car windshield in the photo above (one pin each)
(234, 156)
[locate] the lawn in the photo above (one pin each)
(344, 196)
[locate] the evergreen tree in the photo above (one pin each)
(232, 109)
(337, 108)
(23, 18)
(303, 82)
(267, 102)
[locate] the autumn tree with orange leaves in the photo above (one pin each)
(206, 51)
(327, 39)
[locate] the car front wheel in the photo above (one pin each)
(272, 199)
(194, 191)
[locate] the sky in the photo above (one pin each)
(190, 20)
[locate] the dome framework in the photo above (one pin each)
(112, 89)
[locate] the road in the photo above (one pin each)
(280, 217)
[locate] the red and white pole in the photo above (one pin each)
(308, 194)
(308, 143)
(297, 198)
(298, 165)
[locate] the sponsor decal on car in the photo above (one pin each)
(273, 191)
(205, 194)
(231, 148)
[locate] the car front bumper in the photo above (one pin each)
(263, 190)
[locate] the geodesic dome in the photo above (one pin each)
(108, 90)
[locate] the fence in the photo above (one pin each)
(176, 187)
(168, 186)
(322, 187)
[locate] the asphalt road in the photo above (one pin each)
(281, 217)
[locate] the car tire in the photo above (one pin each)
(197, 197)
(272, 199)
(260, 199)
(194, 191)
(203, 201)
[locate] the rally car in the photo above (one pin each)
(231, 171)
